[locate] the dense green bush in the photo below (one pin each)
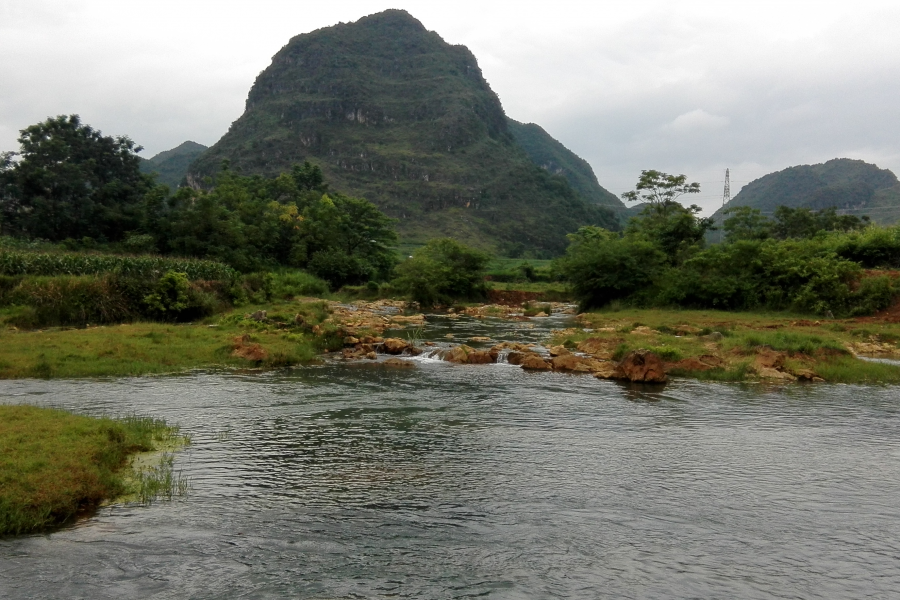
(441, 272)
(601, 266)
(821, 274)
(874, 247)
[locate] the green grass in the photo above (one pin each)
(738, 372)
(55, 465)
(146, 348)
(846, 369)
(785, 341)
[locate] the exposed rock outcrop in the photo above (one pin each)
(641, 366)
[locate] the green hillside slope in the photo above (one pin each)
(550, 154)
(852, 186)
(172, 165)
(393, 113)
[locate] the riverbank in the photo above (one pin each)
(729, 346)
(290, 333)
(706, 345)
(55, 465)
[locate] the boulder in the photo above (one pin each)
(516, 357)
(466, 355)
(767, 358)
(399, 363)
(642, 366)
(350, 341)
(458, 354)
(769, 373)
(607, 369)
(558, 350)
(715, 336)
(806, 375)
(394, 345)
(575, 364)
(598, 347)
(480, 357)
(534, 362)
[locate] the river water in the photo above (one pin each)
(451, 481)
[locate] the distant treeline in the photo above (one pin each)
(801, 260)
(74, 186)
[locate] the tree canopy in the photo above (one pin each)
(71, 181)
(659, 189)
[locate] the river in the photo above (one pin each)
(346, 480)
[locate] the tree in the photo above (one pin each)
(602, 266)
(677, 230)
(660, 189)
(74, 182)
(746, 224)
(442, 272)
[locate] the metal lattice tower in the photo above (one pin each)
(726, 197)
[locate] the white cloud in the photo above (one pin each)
(695, 120)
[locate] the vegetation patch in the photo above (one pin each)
(55, 465)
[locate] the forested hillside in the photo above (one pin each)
(548, 153)
(171, 166)
(851, 186)
(392, 113)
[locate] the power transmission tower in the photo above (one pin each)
(726, 198)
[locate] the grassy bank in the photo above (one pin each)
(146, 348)
(55, 465)
(737, 346)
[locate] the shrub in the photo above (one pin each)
(170, 295)
(441, 272)
(339, 268)
(69, 301)
(602, 267)
(288, 284)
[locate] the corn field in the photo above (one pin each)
(20, 262)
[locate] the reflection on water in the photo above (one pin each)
(452, 481)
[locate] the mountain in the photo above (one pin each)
(852, 186)
(393, 113)
(550, 154)
(172, 165)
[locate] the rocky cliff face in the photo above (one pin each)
(393, 113)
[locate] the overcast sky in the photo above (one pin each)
(684, 87)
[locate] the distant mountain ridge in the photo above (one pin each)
(393, 113)
(172, 165)
(851, 186)
(548, 153)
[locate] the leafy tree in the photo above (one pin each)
(676, 230)
(442, 272)
(73, 182)
(602, 266)
(746, 224)
(805, 223)
(660, 190)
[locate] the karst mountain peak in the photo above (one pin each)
(393, 113)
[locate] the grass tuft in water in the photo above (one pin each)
(161, 481)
